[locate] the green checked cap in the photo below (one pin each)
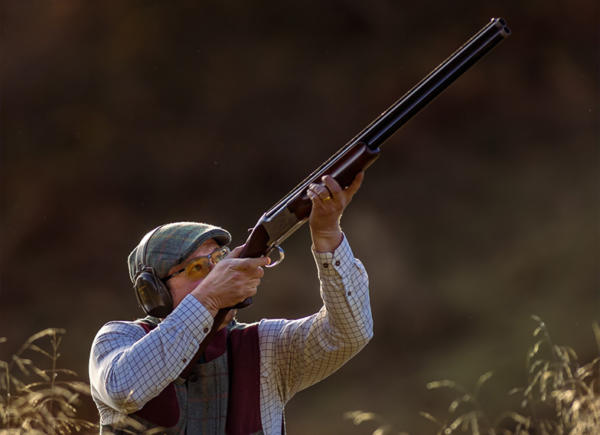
(170, 244)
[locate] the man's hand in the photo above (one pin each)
(329, 201)
(231, 281)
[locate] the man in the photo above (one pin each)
(151, 373)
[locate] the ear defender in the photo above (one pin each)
(151, 292)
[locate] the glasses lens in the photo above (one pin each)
(198, 268)
(219, 254)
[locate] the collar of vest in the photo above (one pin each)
(217, 346)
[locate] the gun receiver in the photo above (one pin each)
(293, 210)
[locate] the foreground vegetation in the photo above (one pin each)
(562, 396)
(40, 400)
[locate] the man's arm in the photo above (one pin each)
(299, 353)
(129, 367)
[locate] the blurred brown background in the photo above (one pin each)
(483, 210)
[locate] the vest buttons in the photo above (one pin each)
(325, 265)
(337, 263)
(205, 330)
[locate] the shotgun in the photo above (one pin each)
(293, 210)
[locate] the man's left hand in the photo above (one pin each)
(329, 201)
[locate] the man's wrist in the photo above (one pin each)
(327, 241)
(207, 302)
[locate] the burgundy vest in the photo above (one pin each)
(240, 341)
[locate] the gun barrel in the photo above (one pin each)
(408, 105)
(290, 212)
(434, 83)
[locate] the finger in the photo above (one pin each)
(249, 288)
(254, 273)
(356, 183)
(319, 190)
(235, 253)
(331, 184)
(249, 264)
(316, 199)
(260, 261)
(318, 203)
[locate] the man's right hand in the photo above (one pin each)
(231, 281)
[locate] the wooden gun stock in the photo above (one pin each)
(293, 210)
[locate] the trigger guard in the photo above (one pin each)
(281, 255)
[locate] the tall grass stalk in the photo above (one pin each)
(562, 397)
(38, 400)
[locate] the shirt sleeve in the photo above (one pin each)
(129, 367)
(299, 353)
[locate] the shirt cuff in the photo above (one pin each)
(332, 263)
(191, 313)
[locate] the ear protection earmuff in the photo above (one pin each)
(152, 293)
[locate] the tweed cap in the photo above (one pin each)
(170, 244)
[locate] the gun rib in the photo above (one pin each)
(374, 134)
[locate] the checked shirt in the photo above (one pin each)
(129, 367)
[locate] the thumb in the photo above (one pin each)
(235, 253)
(356, 183)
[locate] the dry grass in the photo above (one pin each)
(561, 397)
(37, 400)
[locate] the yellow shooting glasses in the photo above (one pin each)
(198, 267)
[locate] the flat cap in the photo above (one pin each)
(170, 244)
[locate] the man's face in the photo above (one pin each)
(181, 285)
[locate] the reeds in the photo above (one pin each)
(36, 400)
(561, 397)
